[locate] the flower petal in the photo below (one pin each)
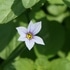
(29, 44)
(38, 40)
(34, 28)
(21, 30)
(37, 27)
(30, 26)
(21, 38)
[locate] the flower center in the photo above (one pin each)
(29, 36)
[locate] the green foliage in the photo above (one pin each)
(56, 9)
(42, 63)
(67, 2)
(54, 33)
(29, 3)
(24, 64)
(55, 17)
(55, 1)
(10, 10)
(60, 64)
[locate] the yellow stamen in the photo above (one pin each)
(29, 36)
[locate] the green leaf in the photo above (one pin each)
(61, 54)
(8, 36)
(42, 63)
(8, 31)
(60, 64)
(9, 48)
(55, 1)
(58, 18)
(38, 14)
(29, 3)
(66, 47)
(56, 9)
(68, 56)
(24, 64)
(53, 35)
(9, 67)
(38, 5)
(10, 10)
(67, 2)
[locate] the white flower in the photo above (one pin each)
(28, 34)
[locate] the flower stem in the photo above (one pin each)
(13, 55)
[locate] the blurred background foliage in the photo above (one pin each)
(55, 17)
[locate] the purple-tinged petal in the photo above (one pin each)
(38, 40)
(34, 28)
(21, 38)
(37, 27)
(29, 44)
(30, 26)
(21, 30)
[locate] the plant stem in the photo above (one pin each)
(13, 55)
